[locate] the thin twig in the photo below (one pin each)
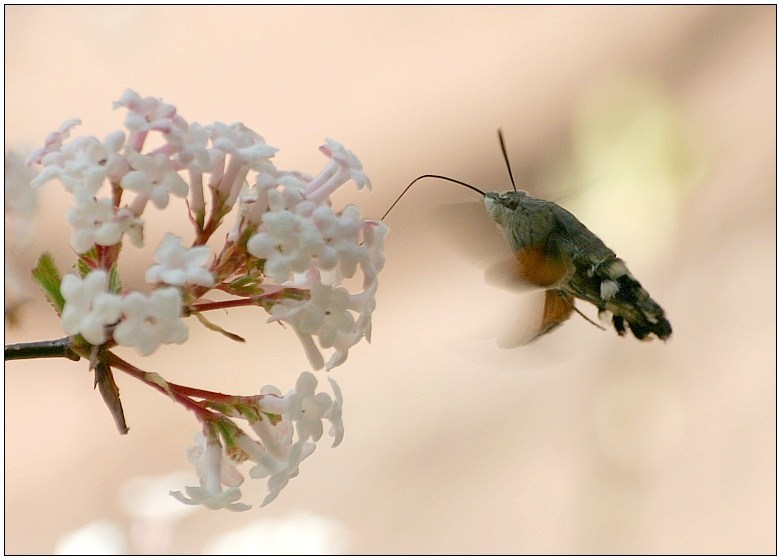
(59, 348)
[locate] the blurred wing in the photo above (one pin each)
(538, 317)
(558, 308)
(467, 228)
(528, 268)
(505, 272)
(474, 236)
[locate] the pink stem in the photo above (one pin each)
(175, 390)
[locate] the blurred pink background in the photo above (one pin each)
(656, 126)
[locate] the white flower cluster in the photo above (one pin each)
(289, 252)
(90, 310)
(275, 421)
(286, 233)
(299, 236)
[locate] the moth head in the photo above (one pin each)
(503, 206)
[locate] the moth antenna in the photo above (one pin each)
(506, 159)
(430, 177)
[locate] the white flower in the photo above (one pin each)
(271, 400)
(325, 315)
(307, 409)
(277, 482)
(275, 438)
(242, 143)
(85, 162)
(188, 145)
(153, 177)
(145, 114)
(179, 266)
(132, 225)
(202, 496)
(210, 467)
(278, 471)
(288, 243)
(246, 150)
(150, 322)
(340, 236)
(53, 142)
(96, 161)
(342, 167)
(201, 456)
(93, 222)
(89, 309)
(266, 464)
(362, 303)
(334, 415)
(374, 234)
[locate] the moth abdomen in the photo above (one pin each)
(632, 306)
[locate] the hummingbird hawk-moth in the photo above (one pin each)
(551, 249)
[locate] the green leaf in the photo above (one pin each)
(48, 278)
(87, 262)
(245, 286)
(212, 327)
(114, 283)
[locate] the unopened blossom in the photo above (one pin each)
(89, 308)
(93, 222)
(151, 321)
(178, 266)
